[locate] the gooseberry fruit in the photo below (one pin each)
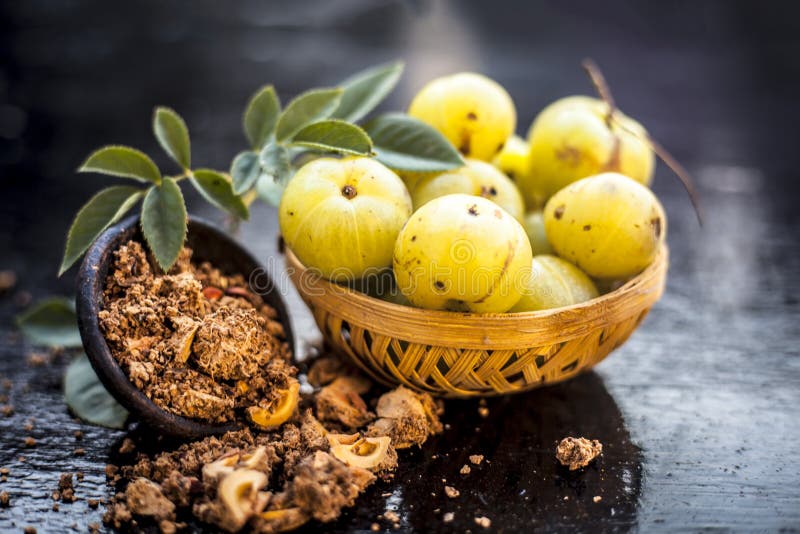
(472, 111)
(463, 253)
(573, 138)
(475, 178)
(608, 225)
(513, 158)
(554, 283)
(534, 227)
(342, 216)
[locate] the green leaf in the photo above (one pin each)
(365, 90)
(275, 162)
(172, 135)
(88, 399)
(334, 135)
(311, 106)
(164, 222)
(261, 116)
(51, 322)
(245, 170)
(407, 144)
(218, 190)
(269, 190)
(122, 161)
(104, 209)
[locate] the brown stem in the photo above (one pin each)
(600, 85)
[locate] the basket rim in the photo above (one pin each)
(483, 330)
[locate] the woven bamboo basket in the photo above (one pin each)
(453, 354)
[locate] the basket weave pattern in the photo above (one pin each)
(453, 354)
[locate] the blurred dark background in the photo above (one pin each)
(709, 387)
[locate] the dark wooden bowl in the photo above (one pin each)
(209, 244)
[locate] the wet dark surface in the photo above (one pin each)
(698, 411)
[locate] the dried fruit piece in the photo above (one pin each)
(239, 495)
(181, 341)
(406, 417)
(218, 469)
(279, 411)
(373, 453)
(341, 401)
(280, 520)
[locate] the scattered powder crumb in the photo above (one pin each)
(66, 490)
(8, 279)
(577, 452)
(28, 426)
(78, 435)
(127, 447)
(37, 359)
(392, 516)
(566, 497)
(5, 499)
(448, 517)
(465, 470)
(476, 459)
(451, 492)
(483, 411)
(29, 530)
(79, 475)
(5, 471)
(483, 521)
(374, 527)
(30, 442)
(7, 410)
(56, 507)
(80, 451)
(597, 498)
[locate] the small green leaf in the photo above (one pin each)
(404, 143)
(365, 90)
(172, 135)
(104, 209)
(269, 190)
(164, 222)
(261, 116)
(51, 322)
(309, 107)
(244, 171)
(122, 161)
(334, 135)
(88, 399)
(275, 162)
(218, 190)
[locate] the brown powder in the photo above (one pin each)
(197, 353)
(577, 452)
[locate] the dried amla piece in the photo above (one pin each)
(240, 499)
(408, 418)
(182, 339)
(373, 453)
(341, 401)
(279, 411)
(280, 520)
(218, 469)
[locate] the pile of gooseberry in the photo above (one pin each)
(525, 225)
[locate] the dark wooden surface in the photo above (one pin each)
(698, 411)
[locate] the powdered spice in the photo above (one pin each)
(197, 342)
